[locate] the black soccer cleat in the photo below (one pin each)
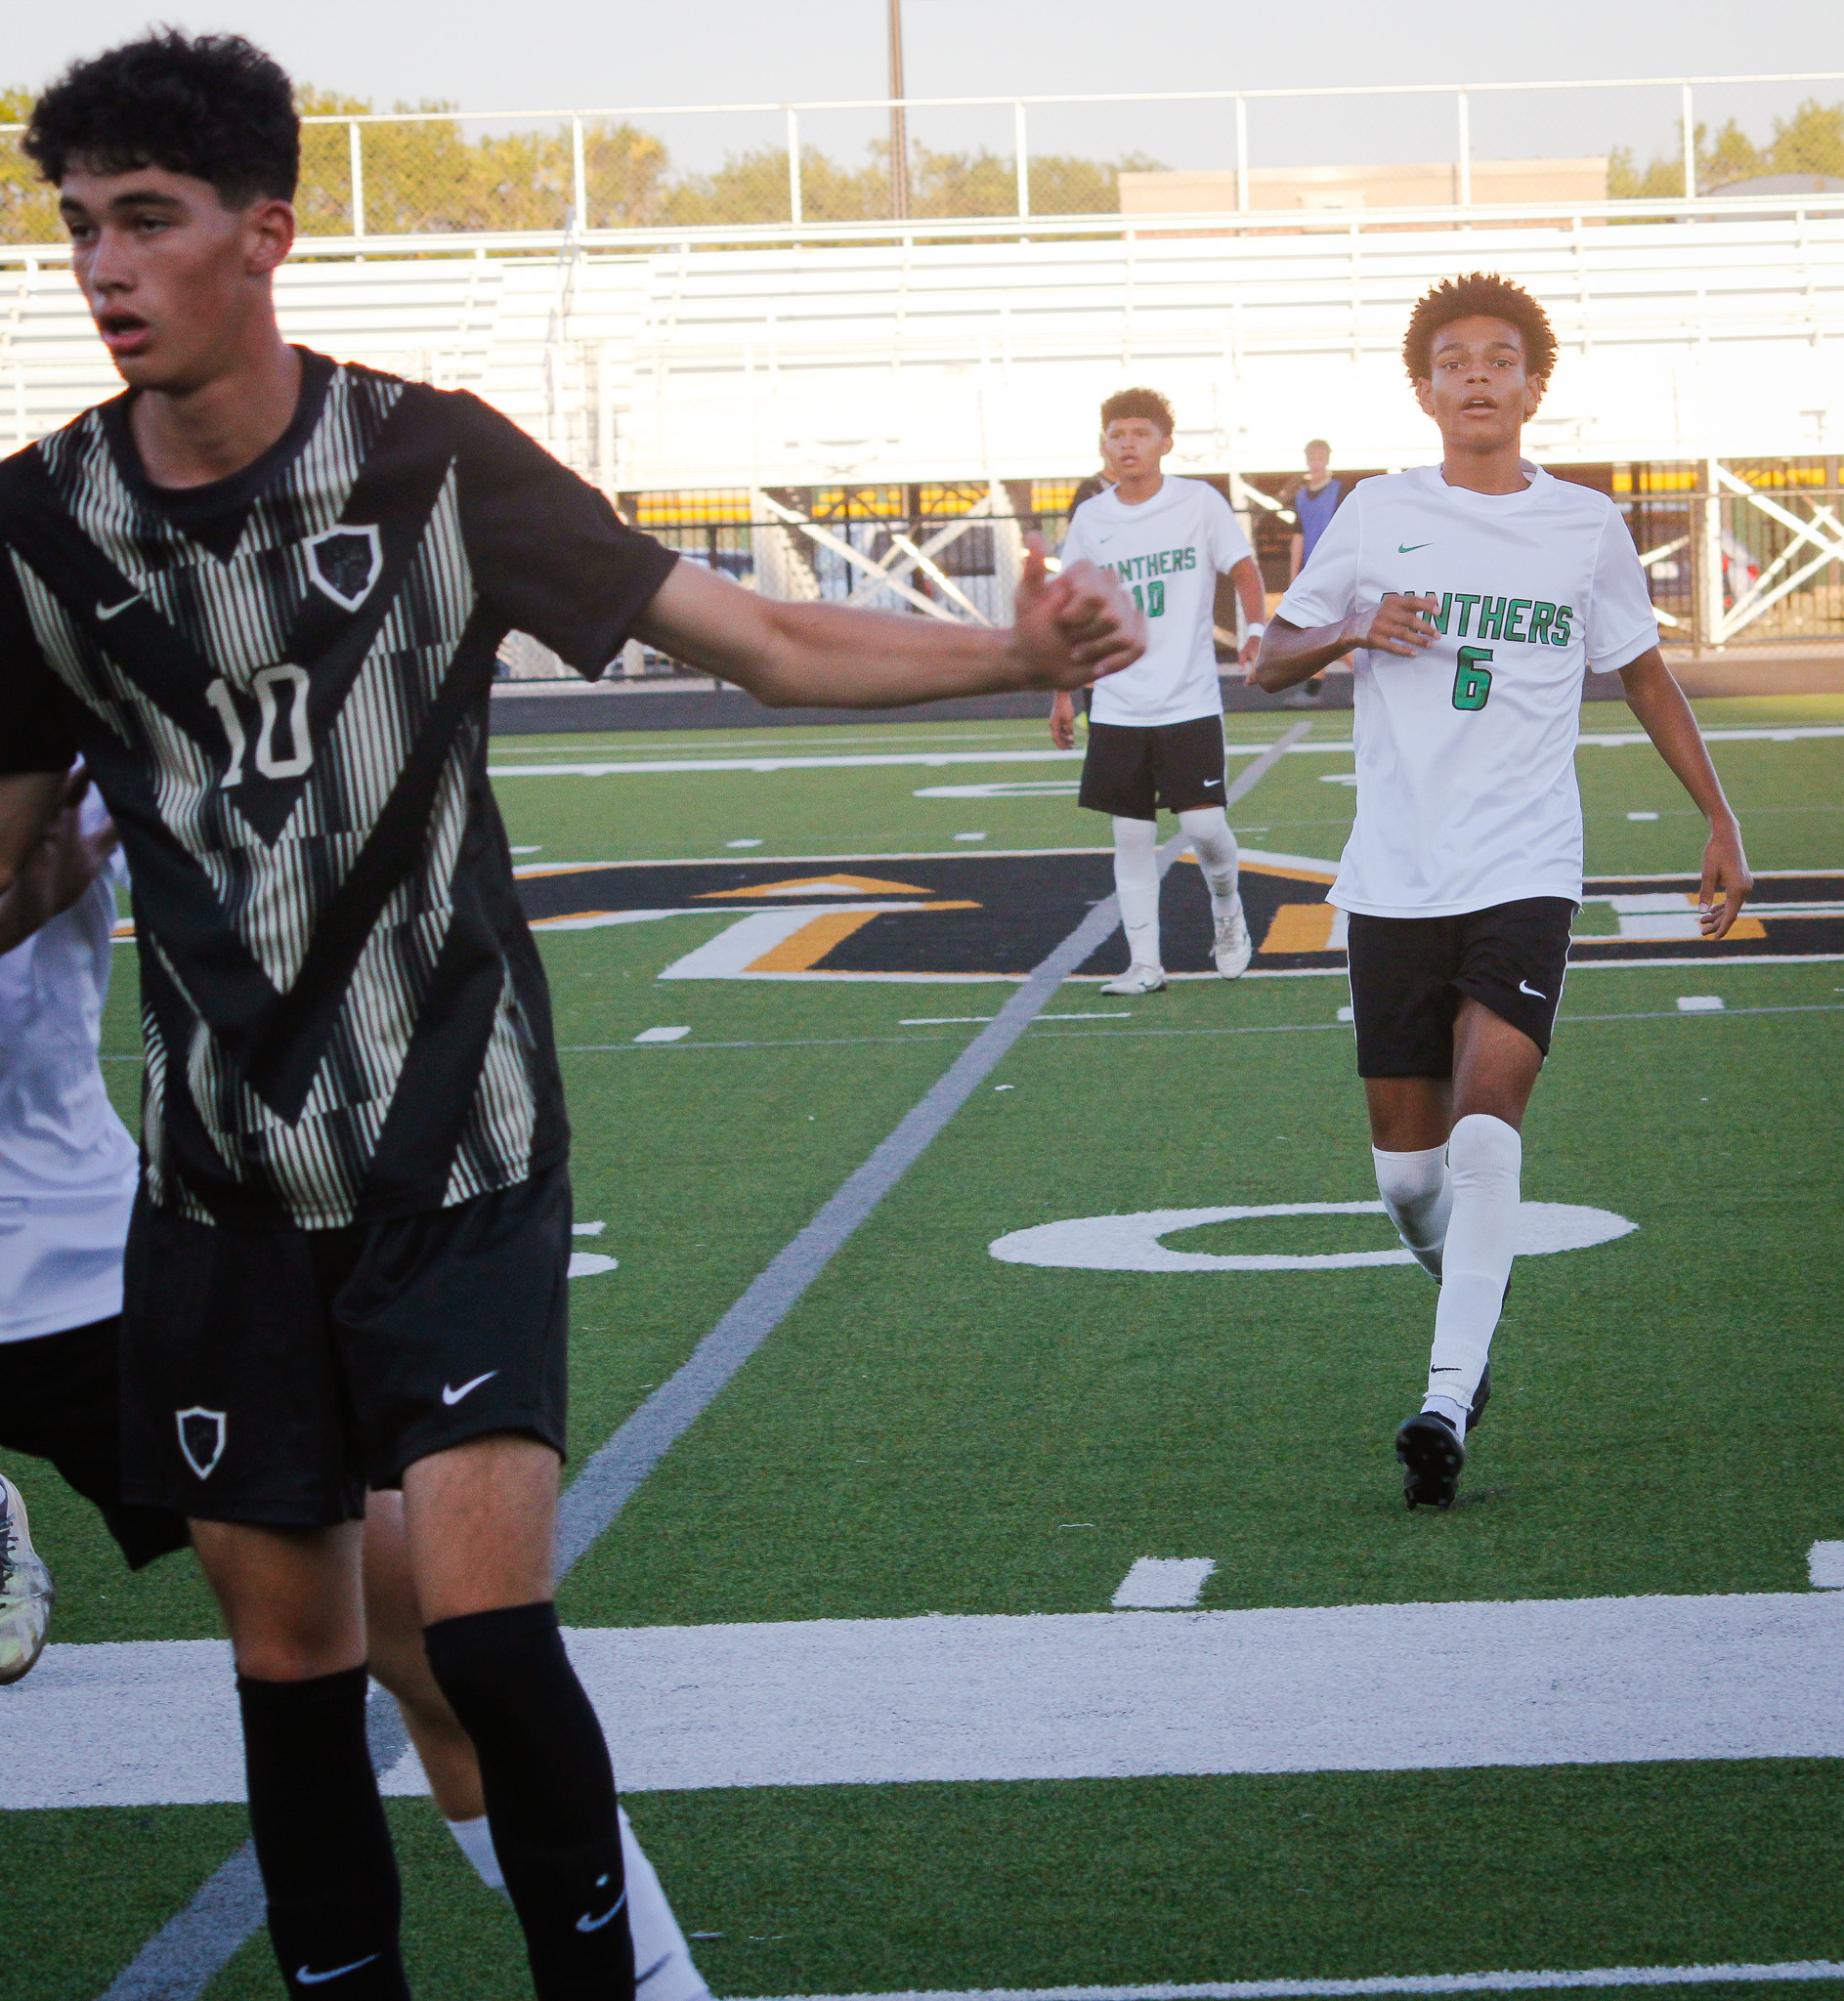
(1431, 1455)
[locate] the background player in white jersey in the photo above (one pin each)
(1156, 731)
(1472, 596)
(67, 1180)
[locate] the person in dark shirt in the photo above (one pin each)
(1314, 500)
(261, 594)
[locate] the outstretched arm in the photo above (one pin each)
(1246, 576)
(1069, 630)
(1294, 653)
(1653, 695)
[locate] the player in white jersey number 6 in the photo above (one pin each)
(1471, 596)
(261, 593)
(1156, 732)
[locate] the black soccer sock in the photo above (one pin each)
(321, 1839)
(550, 1794)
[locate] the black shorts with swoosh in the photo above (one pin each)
(1410, 974)
(271, 1376)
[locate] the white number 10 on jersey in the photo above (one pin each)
(279, 687)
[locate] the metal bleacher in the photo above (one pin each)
(1713, 333)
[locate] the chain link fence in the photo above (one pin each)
(806, 166)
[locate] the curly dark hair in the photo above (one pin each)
(1479, 293)
(1147, 403)
(211, 106)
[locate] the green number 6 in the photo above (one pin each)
(1472, 682)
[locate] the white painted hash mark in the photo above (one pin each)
(663, 1034)
(1642, 816)
(1164, 1583)
(1825, 1565)
(1547, 1980)
(742, 844)
(590, 1264)
(1700, 1003)
(941, 1020)
(969, 837)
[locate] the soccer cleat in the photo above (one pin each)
(1137, 980)
(25, 1589)
(1431, 1455)
(1234, 947)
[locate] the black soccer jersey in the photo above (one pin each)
(280, 683)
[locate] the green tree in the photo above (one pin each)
(1811, 141)
(28, 208)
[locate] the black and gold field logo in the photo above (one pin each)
(996, 916)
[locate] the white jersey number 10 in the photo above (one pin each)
(276, 687)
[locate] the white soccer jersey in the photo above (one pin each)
(1168, 551)
(1466, 792)
(67, 1165)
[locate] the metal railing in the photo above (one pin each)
(809, 169)
(1728, 551)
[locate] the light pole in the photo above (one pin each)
(899, 124)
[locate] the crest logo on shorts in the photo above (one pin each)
(345, 562)
(201, 1439)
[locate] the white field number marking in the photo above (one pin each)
(1136, 1242)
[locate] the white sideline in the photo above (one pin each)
(618, 767)
(1388, 1983)
(1055, 1696)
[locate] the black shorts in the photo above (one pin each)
(1409, 975)
(61, 1400)
(272, 1376)
(1131, 771)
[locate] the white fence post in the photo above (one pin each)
(794, 205)
(1690, 144)
(579, 173)
(1242, 154)
(1466, 149)
(356, 161)
(1021, 157)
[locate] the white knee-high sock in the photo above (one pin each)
(1136, 883)
(1418, 1197)
(1208, 830)
(656, 1931)
(1484, 1160)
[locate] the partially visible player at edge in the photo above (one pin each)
(1156, 732)
(262, 593)
(1472, 596)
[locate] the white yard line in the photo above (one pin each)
(1057, 1696)
(1741, 1974)
(625, 767)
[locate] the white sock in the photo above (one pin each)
(1207, 828)
(1418, 1195)
(1136, 883)
(657, 1936)
(1484, 1160)
(475, 1840)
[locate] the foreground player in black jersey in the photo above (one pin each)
(262, 593)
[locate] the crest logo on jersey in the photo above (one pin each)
(345, 562)
(201, 1438)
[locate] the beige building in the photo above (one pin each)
(1420, 184)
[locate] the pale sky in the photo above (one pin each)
(540, 54)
